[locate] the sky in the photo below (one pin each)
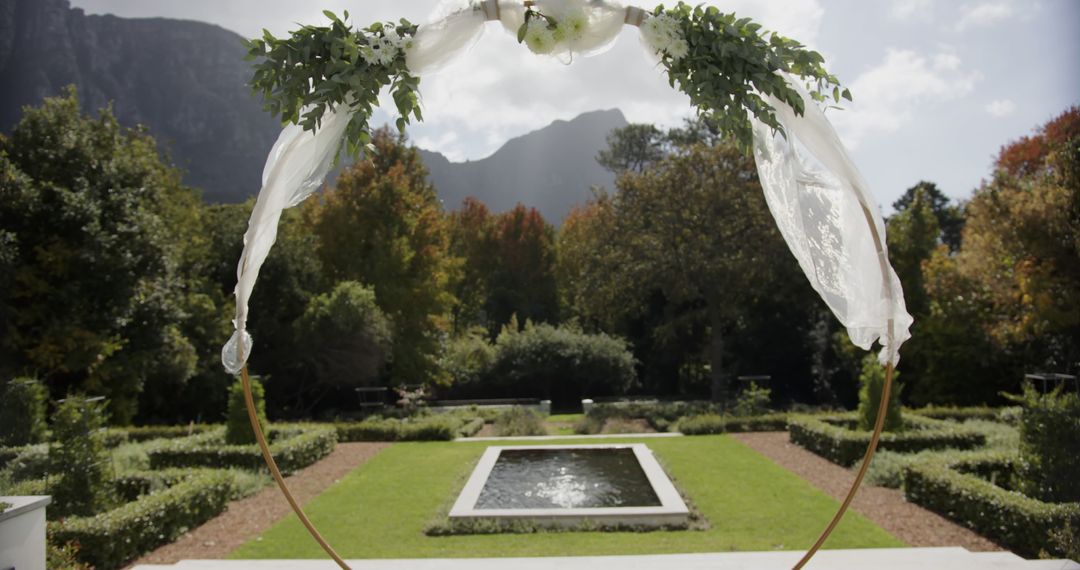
(939, 85)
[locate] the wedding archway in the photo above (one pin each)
(325, 82)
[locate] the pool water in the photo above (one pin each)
(568, 479)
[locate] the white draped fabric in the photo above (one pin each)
(820, 201)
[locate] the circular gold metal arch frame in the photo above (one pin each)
(634, 17)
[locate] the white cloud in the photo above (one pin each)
(985, 13)
(1000, 108)
(908, 9)
(893, 93)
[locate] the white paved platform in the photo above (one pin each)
(952, 558)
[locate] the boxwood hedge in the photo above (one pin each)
(960, 490)
(714, 423)
(832, 437)
(113, 538)
(423, 428)
(293, 447)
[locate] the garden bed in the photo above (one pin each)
(293, 447)
(976, 492)
(834, 437)
(112, 538)
(422, 428)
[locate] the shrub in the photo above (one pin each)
(1050, 444)
(61, 556)
(1018, 522)
(147, 433)
(422, 428)
(871, 385)
(471, 427)
(238, 424)
(753, 401)
(22, 412)
(78, 458)
(371, 429)
(32, 462)
(345, 336)
(833, 438)
(113, 538)
(958, 414)
(436, 428)
(468, 358)
(887, 468)
(708, 424)
(518, 421)
(293, 448)
(563, 362)
(660, 415)
(618, 425)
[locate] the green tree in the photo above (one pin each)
(522, 278)
(238, 423)
(346, 339)
(90, 295)
(950, 217)
(472, 245)
(871, 388)
(633, 148)
(22, 412)
(383, 226)
(78, 459)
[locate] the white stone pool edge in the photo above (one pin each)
(672, 510)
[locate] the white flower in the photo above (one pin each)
(678, 49)
(574, 25)
(656, 33)
(368, 54)
(539, 38)
(392, 36)
(387, 51)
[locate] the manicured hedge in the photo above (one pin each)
(713, 423)
(147, 433)
(956, 413)
(113, 538)
(130, 486)
(829, 437)
(660, 415)
(954, 490)
(423, 428)
(292, 447)
(27, 462)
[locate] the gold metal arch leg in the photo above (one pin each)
(870, 449)
(261, 438)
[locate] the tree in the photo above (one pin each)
(913, 236)
(78, 458)
(696, 228)
(522, 279)
(950, 217)
(345, 336)
(633, 148)
(89, 295)
(472, 245)
(383, 226)
(22, 412)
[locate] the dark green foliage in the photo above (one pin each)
(61, 556)
(92, 229)
(22, 412)
(563, 364)
(753, 401)
(421, 428)
(146, 433)
(115, 537)
(132, 485)
(961, 414)
(238, 424)
(293, 449)
(78, 459)
(834, 438)
(468, 358)
(346, 338)
(1018, 522)
(713, 423)
(32, 462)
(518, 421)
(731, 65)
(325, 67)
(1050, 445)
(871, 387)
(660, 415)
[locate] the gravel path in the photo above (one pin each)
(885, 507)
(248, 517)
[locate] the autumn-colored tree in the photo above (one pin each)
(383, 226)
(522, 280)
(472, 246)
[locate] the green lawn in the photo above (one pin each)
(380, 509)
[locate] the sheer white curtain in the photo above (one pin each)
(820, 201)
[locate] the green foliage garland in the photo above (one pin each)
(320, 67)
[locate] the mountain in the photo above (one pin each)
(184, 80)
(550, 169)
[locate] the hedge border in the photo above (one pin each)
(708, 424)
(424, 428)
(959, 414)
(113, 538)
(847, 446)
(1012, 519)
(293, 447)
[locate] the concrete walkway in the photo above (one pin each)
(951, 558)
